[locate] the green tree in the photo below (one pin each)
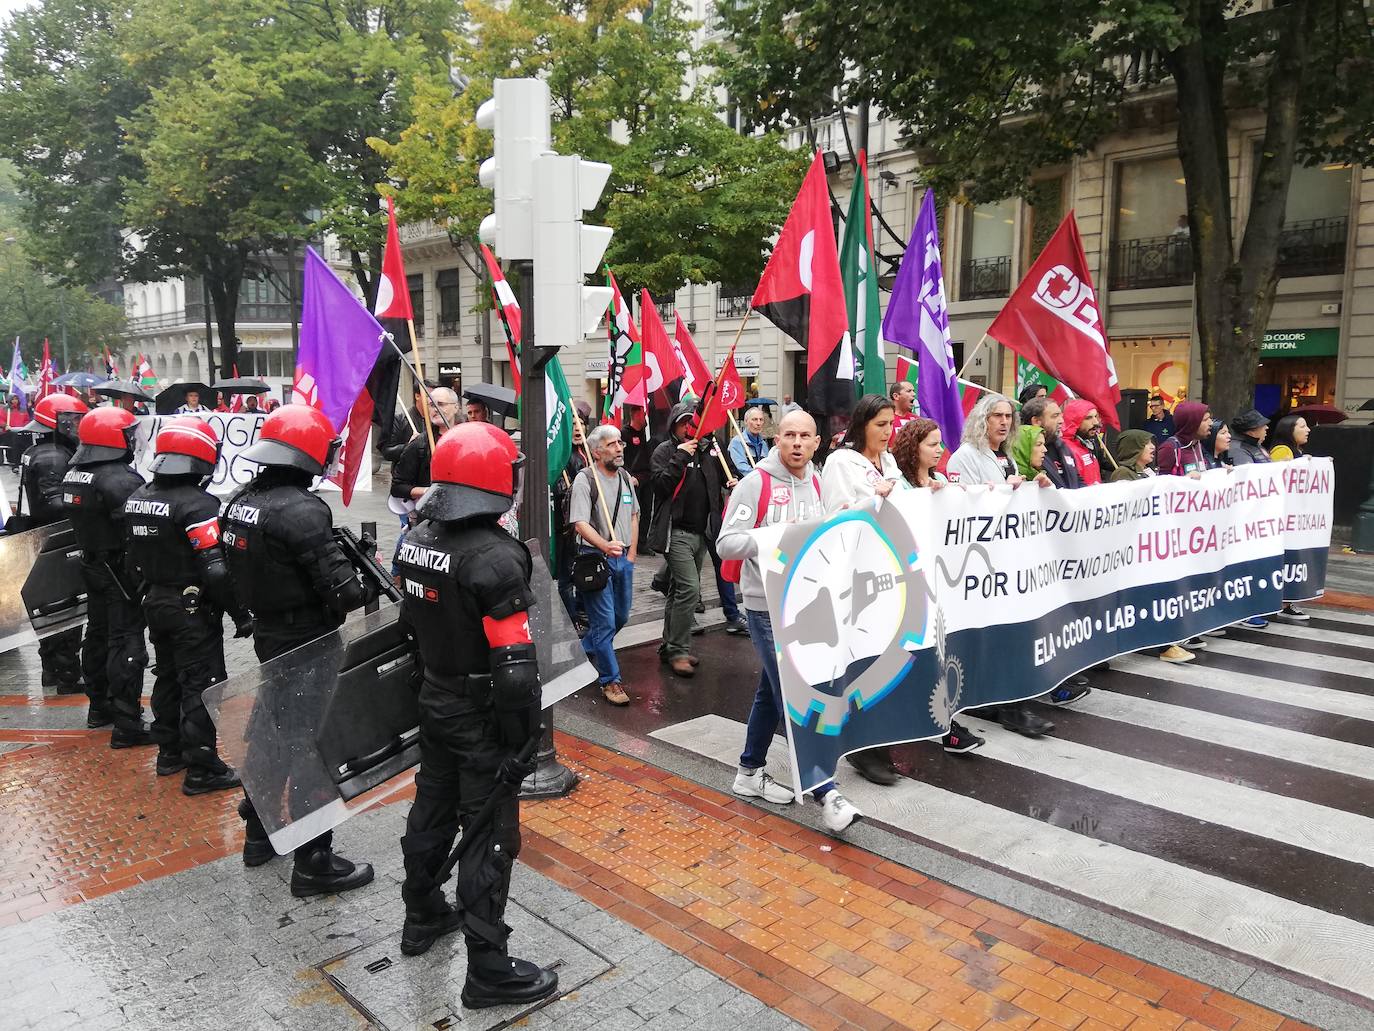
(988, 93)
(690, 199)
(33, 305)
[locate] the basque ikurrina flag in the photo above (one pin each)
(509, 309)
(625, 369)
(801, 293)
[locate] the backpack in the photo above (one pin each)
(731, 568)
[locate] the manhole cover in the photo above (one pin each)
(422, 993)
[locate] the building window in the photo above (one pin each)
(416, 285)
(450, 305)
(1151, 230)
(989, 233)
(1315, 221)
(732, 302)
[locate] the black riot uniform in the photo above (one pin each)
(113, 653)
(465, 594)
(41, 471)
(299, 585)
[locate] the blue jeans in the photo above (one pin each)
(767, 711)
(607, 611)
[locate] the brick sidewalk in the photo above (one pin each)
(829, 934)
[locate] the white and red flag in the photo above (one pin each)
(504, 298)
(1054, 322)
(698, 374)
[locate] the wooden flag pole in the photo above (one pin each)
(973, 354)
(596, 476)
(739, 432)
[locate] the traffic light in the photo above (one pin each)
(517, 116)
(566, 250)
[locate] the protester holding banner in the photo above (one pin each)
(1290, 435)
(1184, 453)
(1080, 422)
(1219, 444)
(1248, 431)
(917, 448)
(1028, 452)
(1059, 463)
(863, 468)
(1135, 450)
(783, 488)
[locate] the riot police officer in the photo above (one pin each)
(113, 654)
(42, 468)
(465, 596)
(298, 584)
(172, 527)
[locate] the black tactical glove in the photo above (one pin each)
(514, 772)
(243, 624)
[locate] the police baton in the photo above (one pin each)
(502, 792)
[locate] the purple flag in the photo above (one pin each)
(918, 320)
(340, 341)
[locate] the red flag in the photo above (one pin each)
(801, 293)
(723, 395)
(1053, 321)
(45, 373)
(509, 307)
(393, 293)
(698, 375)
(664, 369)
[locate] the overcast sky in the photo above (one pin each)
(8, 7)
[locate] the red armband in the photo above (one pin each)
(514, 629)
(203, 535)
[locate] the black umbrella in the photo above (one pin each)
(242, 385)
(123, 388)
(80, 380)
(499, 400)
(175, 396)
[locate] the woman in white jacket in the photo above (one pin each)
(863, 468)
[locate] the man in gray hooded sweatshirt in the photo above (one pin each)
(785, 484)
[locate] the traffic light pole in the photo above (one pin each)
(551, 779)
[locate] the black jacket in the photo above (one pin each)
(411, 469)
(1059, 465)
(681, 480)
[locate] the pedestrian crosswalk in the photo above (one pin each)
(1230, 799)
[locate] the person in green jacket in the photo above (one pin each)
(1135, 450)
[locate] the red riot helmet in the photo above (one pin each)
(186, 445)
(298, 436)
(475, 471)
(106, 435)
(48, 412)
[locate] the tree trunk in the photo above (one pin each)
(224, 279)
(1234, 289)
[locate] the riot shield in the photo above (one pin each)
(312, 731)
(47, 562)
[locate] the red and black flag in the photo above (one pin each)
(802, 293)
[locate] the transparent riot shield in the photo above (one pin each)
(312, 731)
(46, 562)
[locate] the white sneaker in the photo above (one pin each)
(837, 813)
(759, 785)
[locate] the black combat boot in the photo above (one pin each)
(1019, 718)
(495, 979)
(257, 847)
(318, 871)
(200, 780)
(427, 922)
(875, 764)
(97, 718)
(131, 735)
(169, 761)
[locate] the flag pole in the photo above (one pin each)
(973, 354)
(596, 478)
(419, 381)
(739, 432)
(419, 371)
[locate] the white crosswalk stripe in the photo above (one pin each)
(1255, 835)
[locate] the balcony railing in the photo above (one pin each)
(665, 311)
(249, 313)
(148, 323)
(733, 302)
(985, 277)
(1315, 247)
(448, 327)
(1151, 262)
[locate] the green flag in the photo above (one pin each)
(860, 276)
(1026, 374)
(559, 437)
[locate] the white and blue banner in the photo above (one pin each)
(891, 618)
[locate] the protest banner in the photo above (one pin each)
(892, 617)
(237, 432)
